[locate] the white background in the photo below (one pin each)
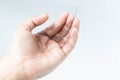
(97, 53)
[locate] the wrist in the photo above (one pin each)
(11, 68)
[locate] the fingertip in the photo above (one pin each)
(44, 16)
(64, 14)
(41, 19)
(76, 23)
(70, 19)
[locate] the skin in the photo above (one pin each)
(32, 56)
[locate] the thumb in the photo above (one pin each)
(32, 22)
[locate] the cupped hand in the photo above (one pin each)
(42, 52)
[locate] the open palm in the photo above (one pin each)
(43, 51)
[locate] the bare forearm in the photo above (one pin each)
(13, 74)
(11, 69)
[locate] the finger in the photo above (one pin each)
(65, 29)
(71, 37)
(52, 30)
(32, 22)
(67, 37)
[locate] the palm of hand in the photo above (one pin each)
(43, 51)
(40, 54)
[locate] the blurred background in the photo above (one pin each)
(97, 53)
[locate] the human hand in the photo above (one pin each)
(40, 53)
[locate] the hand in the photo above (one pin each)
(40, 53)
